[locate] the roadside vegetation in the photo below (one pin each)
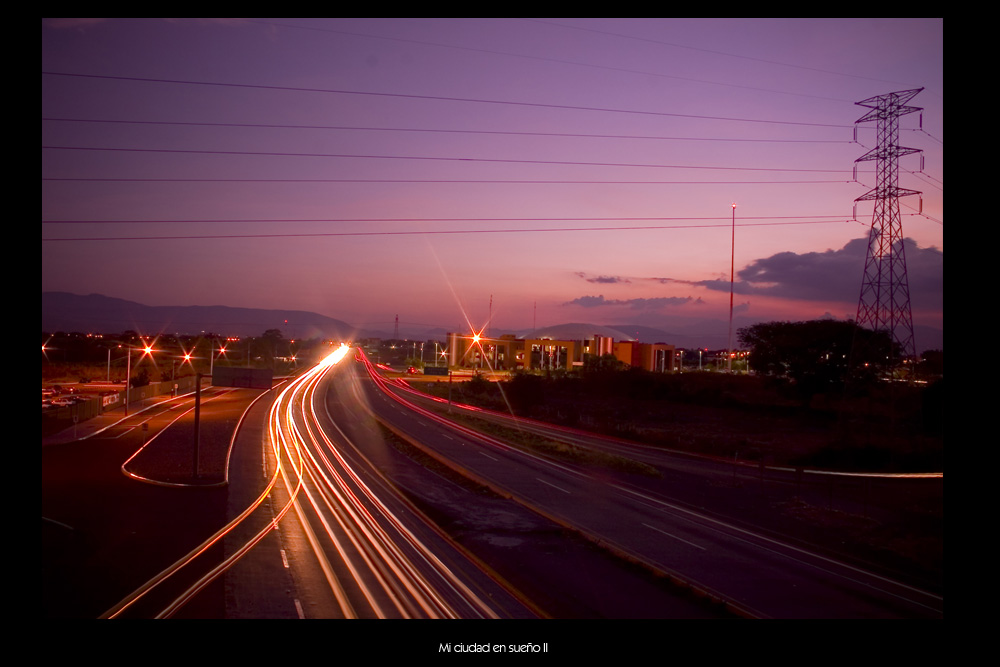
(558, 450)
(883, 427)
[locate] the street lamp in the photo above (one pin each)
(211, 356)
(128, 372)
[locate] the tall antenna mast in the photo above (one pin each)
(732, 266)
(884, 303)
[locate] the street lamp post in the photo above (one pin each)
(128, 373)
(128, 378)
(732, 266)
(211, 357)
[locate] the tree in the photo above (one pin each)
(931, 364)
(526, 391)
(267, 346)
(602, 364)
(140, 379)
(814, 354)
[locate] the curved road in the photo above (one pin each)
(348, 498)
(753, 573)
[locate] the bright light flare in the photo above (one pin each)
(334, 357)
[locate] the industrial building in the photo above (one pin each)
(543, 353)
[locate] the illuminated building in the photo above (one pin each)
(511, 353)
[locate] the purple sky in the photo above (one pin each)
(284, 182)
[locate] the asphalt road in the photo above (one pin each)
(122, 505)
(338, 498)
(753, 572)
(353, 547)
(559, 574)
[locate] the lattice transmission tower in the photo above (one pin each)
(884, 304)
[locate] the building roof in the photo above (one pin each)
(577, 331)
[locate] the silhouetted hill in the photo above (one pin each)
(63, 311)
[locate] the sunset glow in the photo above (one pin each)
(539, 172)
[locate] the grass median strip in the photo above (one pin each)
(555, 449)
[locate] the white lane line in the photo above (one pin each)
(489, 457)
(298, 608)
(559, 488)
(663, 532)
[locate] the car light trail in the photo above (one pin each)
(395, 574)
(392, 573)
(196, 558)
(808, 584)
(377, 566)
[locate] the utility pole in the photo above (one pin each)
(197, 424)
(732, 267)
(884, 303)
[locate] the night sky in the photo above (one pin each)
(568, 170)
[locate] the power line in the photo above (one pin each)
(715, 52)
(442, 98)
(431, 181)
(507, 219)
(430, 158)
(427, 232)
(560, 61)
(574, 135)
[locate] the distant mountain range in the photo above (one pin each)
(63, 311)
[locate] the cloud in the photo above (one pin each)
(636, 304)
(664, 281)
(610, 280)
(835, 275)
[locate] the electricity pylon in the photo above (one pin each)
(884, 304)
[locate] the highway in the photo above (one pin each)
(320, 515)
(753, 573)
(350, 498)
(120, 506)
(365, 551)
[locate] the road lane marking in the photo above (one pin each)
(759, 541)
(554, 486)
(679, 539)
